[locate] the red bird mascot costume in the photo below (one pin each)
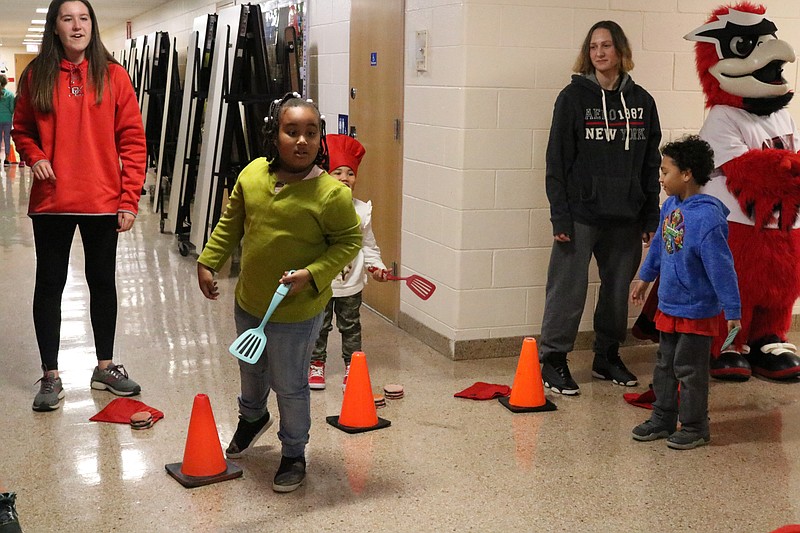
(740, 63)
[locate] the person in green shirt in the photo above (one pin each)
(288, 214)
(7, 103)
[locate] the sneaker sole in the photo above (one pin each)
(316, 386)
(689, 445)
(237, 455)
(287, 488)
(99, 385)
(566, 392)
(598, 375)
(651, 436)
(45, 408)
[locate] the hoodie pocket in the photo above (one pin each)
(614, 197)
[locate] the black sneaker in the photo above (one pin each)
(648, 430)
(290, 474)
(9, 520)
(556, 376)
(612, 368)
(247, 433)
(687, 440)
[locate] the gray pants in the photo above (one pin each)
(618, 251)
(682, 358)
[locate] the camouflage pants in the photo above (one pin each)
(348, 322)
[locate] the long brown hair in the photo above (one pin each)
(583, 64)
(39, 77)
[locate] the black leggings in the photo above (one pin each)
(53, 236)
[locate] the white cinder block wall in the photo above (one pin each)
(329, 57)
(475, 214)
(175, 17)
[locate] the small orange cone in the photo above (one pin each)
(203, 463)
(358, 406)
(11, 154)
(527, 392)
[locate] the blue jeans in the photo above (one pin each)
(283, 368)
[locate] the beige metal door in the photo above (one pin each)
(20, 62)
(376, 113)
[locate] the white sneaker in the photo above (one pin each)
(316, 375)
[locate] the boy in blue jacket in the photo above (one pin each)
(698, 281)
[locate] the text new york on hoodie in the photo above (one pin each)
(602, 157)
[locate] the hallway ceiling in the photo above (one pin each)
(17, 15)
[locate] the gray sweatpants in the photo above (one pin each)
(618, 252)
(682, 358)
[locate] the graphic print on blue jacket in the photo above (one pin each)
(672, 231)
(690, 252)
(602, 156)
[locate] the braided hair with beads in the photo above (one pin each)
(272, 127)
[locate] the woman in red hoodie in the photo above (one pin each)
(78, 126)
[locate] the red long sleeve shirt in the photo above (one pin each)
(98, 152)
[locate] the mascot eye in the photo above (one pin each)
(743, 46)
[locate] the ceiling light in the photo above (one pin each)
(38, 21)
(39, 30)
(41, 10)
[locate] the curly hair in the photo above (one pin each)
(272, 126)
(692, 153)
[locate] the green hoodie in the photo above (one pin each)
(7, 103)
(307, 224)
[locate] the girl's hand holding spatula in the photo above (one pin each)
(298, 279)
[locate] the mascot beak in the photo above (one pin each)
(760, 74)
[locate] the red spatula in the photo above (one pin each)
(418, 285)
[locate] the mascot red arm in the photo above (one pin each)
(740, 63)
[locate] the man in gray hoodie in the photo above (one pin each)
(602, 184)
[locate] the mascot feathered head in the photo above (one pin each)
(740, 59)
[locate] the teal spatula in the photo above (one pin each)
(250, 344)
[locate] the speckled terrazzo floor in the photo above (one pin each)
(445, 464)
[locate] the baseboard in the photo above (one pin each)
(500, 347)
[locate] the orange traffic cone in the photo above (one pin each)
(203, 463)
(358, 406)
(527, 392)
